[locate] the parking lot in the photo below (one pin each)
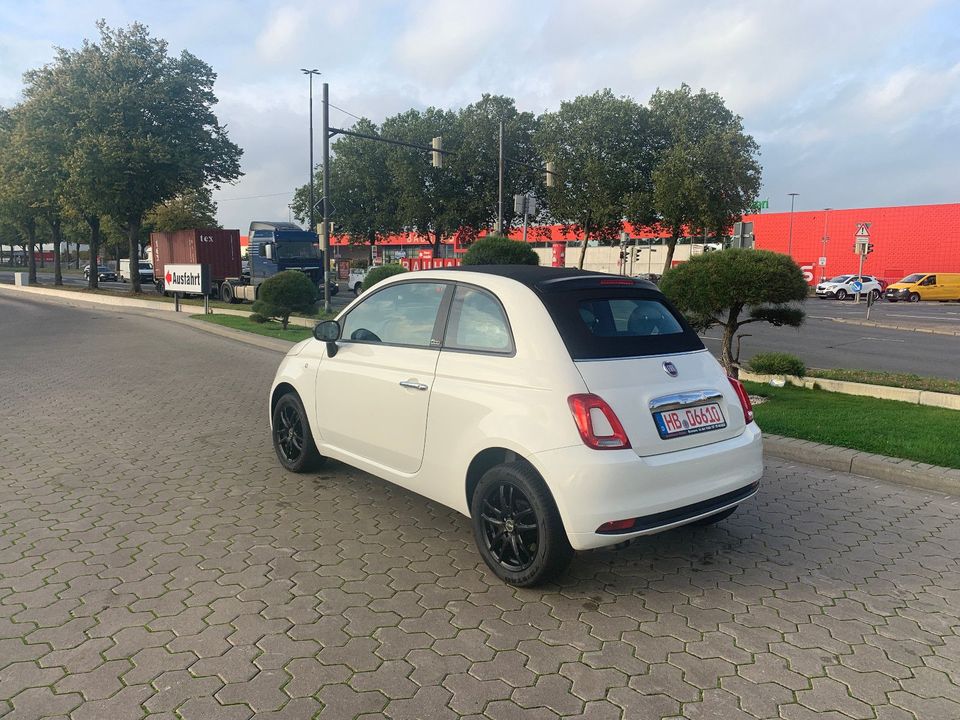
(155, 559)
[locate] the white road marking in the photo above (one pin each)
(882, 339)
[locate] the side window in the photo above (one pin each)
(402, 314)
(931, 280)
(477, 322)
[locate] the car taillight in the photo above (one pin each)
(744, 399)
(598, 424)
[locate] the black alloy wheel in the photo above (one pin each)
(841, 294)
(876, 294)
(517, 527)
(292, 439)
(510, 527)
(914, 297)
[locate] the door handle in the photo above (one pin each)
(412, 384)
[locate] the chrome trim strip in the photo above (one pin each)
(684, 400)
(640, 357)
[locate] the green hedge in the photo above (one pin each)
(775, 363)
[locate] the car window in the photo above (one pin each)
(931, 280)
(627, 317)
(911, 278)
(618, 322)
(840, 279)
(401, 314)
(477, 322)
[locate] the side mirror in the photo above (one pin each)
(328, 331)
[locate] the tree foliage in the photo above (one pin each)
(284, 294)
(716, 288)
(495, 250)
(139, 123)
(602, 151)
(705, 173)
(191, 208)
(381, 272)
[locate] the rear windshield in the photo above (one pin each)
(916, 277)
(605, 323)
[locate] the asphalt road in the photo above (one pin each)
(155, 559)
(822, 342)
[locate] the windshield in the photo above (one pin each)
(916, 277)
(840, 278)
(146, 266)
(297, 251)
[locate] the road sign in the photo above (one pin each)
(187, 279)
(822, 262)
(863, 229)
(857, 286)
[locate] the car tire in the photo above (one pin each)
(226, 293)
(519, 553)
(714, 519)
(334, 289)
(357, 287)
(841, 295)
(292, 439)
(876, 294)
(914, 297)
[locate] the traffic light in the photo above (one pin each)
(549, 174)
(436, 156)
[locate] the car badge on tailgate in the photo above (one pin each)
(670, 369)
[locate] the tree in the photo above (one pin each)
(284, 294)
(601, 149)
(715, 288)
(706, 172)
(381, 272)
(363, 192)
(144, 126)
(191, 208)
(495, 250)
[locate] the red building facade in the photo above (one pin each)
(908, 239)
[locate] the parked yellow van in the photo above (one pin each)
(925, 286)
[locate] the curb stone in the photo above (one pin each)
(856, 462)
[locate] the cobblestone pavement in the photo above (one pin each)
(155, 560)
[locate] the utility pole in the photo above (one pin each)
(310, 74)
(823, 252)
(325, 234)
(500, 185)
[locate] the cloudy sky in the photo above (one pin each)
(854, 104)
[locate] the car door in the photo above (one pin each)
(930, 290)
(374, 393)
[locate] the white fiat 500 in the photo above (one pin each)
(559, 409)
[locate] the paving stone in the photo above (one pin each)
(191, 581)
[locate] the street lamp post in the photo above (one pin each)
(793, 196)
(823, 252)
(310, 74)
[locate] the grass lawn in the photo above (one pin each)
(901, 380)
(886, 427)
(293, 333)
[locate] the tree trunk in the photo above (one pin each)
(32, 251)
(436, 243)
(133, 233)
(726, 345)
(586, 241)
(94, 222)
(671, 246)
(78, 255)
(56, 232)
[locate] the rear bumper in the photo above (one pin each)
(661, 491)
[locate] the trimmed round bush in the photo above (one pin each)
(258, 318)
(775, 363)
(382, 272)
(497, 250)
(284, 294)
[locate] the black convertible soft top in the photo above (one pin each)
(547, 279)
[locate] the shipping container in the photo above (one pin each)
(220, 249)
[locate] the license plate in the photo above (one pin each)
(689, 421)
